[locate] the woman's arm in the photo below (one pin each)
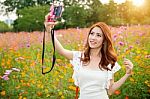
(59, 48)
(115, 85)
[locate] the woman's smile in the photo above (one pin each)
(93, 42)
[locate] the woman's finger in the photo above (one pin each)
(126, 60)
(46, 17)
(129, 66)
(127, 63)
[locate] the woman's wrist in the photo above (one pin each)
(48, 30)
(128, 74)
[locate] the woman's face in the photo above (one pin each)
(96, 38)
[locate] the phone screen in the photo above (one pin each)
(58, 11)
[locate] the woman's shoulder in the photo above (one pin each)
(78, 54)
(115, 68)
(76, 61)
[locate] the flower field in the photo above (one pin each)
(20, 63)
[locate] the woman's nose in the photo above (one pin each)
(93, 37)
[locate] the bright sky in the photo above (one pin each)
(13, 16)
(3, 17)
(138, 3)
(116, 1)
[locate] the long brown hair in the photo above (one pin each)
(108, 54)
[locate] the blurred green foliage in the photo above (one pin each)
(30, 18)
(77, 13)
(4, 27)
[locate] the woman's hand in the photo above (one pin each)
(129, 66)
(48, 25)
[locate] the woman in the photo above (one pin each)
(94, 68)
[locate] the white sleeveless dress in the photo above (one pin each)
(92, 83)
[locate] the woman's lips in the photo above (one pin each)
(92, 42)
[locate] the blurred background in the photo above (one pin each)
(28, 15)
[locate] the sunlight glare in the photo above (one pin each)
(138, 2)
(119, 1)
(104, 1)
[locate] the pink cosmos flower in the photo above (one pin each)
(121, 43)
(28, 45)
(7, 72)
(130, 47)
(5, 77)
(115, 35)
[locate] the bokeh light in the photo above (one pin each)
(138, 3)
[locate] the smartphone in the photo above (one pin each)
(58, 11)
(55, 12)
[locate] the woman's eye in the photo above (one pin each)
(99, 35)
(91, 33)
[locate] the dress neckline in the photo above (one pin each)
(88, 69)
